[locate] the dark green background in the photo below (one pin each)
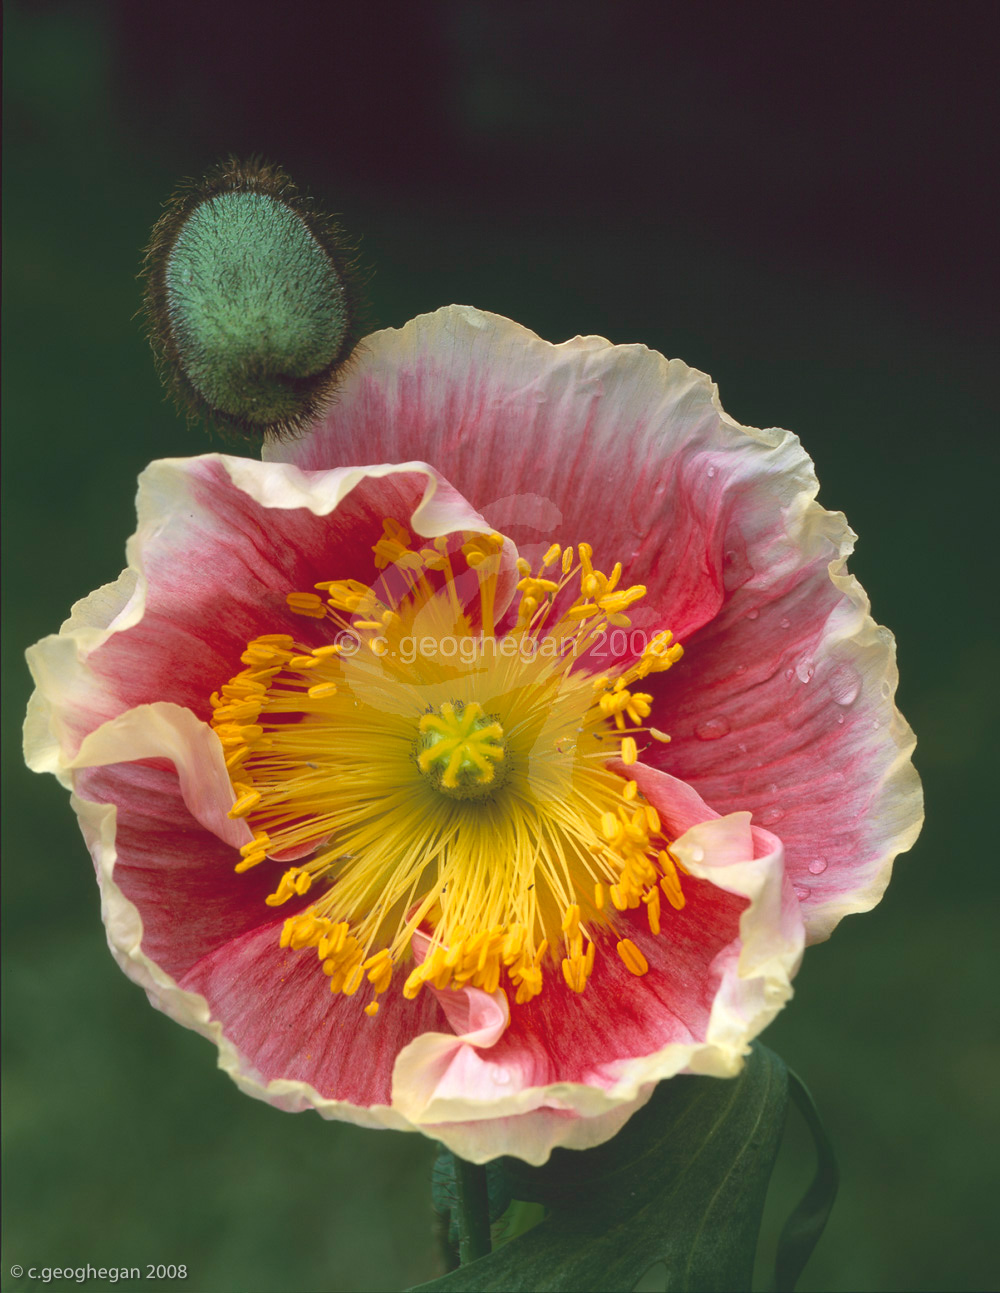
(798, 204)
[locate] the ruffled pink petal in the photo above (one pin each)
(220, 543)
(783, 705)
(616, 445)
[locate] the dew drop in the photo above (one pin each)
(742, 747)
(771, 815)
(845, 684)
(805, 669)
(785, 622)
(817, 866)
(752, 614)
(501, 1076)
(711, 729)
(886, 689)
(801, 893)
(789, 675)
(711, 471)
(840, 718)
(741, 668)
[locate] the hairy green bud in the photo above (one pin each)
(251, 301)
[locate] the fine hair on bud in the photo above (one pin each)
(252, 301)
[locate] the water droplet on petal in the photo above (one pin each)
(840, 718)
(771, 815)
(501, 1076)
(741, 668)
(801, 893)
(742, 747)
(789, 675)
(805, 669)
(711, 729)
(817, 866)
(785, 622)
(752, 614)
(845, 684)
(886, 689)
(711, 471)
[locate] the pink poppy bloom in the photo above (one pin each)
(478, 790)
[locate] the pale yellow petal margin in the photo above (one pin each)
(755, 983)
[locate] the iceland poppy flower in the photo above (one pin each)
(479, 789)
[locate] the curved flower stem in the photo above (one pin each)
(472, 1211)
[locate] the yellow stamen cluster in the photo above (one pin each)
(447, 791)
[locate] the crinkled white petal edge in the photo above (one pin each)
(852, 636)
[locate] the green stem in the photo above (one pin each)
(472, 1211)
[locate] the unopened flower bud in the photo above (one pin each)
(251, 301)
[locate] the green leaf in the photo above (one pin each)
(804, 1227)
(683, 1182)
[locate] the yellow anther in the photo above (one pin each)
(552, 555)
(611, 827)
(249, 861)
(630, 751)
(652, 901)
(348, 594)
(523, 567)
(571, 921)
(371, 1010)
(481, 547)
(634, 960)
(245, 804)
(414, 982)
(322, 690)
(670, 881)
(657, 735)
(583, 611)
(306, 604)
(294, 881)
(599, 898)
(527, 608)
(567, 559)
(630, 790)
